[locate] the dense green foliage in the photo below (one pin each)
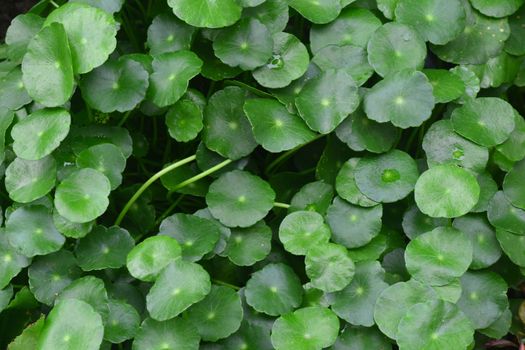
(263, 174)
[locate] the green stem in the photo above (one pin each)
(148, 183)
(125, 118)
(281, 205)
(201, 175)
(288, 154)
(226, 284)
(248, 87)
(54, 3)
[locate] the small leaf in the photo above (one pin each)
(13, 94)
(147, 259)
(446, 191)
(30, 230)
(83, 195)
(274, 127)
(329, 267)
(274, 290)
(48, 67)
(123, 322)
(446, 86)
(503, 215)
(105, 158)
(513, 185)
(28, 180)
(346, 186)
(218, 315)
(11, 262)
(487, 121)
(302, 230)
(169, 34)
(172, 72)
(20, 32)
(310, 328)
(172, 334)
(513, 246)
(180, 285)
(239, 199)
(184, 120)
(497, 8)
(404, 98)
(320, 12)
(88, 289)
(439, 256)
(72, 324)
(248, 245)
(104, 248)
(351, 59)
(90, 31)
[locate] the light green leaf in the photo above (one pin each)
(20, 32)
(207, 13)
(248, 245)
(329, 267)
(323, 11)
(503, 215)
(446, 86)
(88, 289)
(184, 120)
(105, 158)
(497, 8)
(28, 180)
(346, 186)
(303, 230)
(168, 34)
(13, 94)
(513, 245)
(514, 186)
(180, 285)
(11, 262)
(446, 191)
(177, 333)
(123, 322)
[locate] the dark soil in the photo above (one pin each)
(9, 9)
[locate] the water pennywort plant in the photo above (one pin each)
(263, 174)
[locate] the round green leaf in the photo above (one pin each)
(323, 11)
(104, 248)
(503, 215)
(303, 230)
(248, 44)
(21, 30)
(289, 61)
(110, 6)
(105, 158)
(91, 34)
(274, 290)
(483, 298)
(184, 120)
(227, 131)
(335, 92)
(47, 67)
(346, 187)
(446, 86)
(514, 186)
(239, 199)
(513, 246)
(443, 145)
(355, 303)
(180, 285)
(488, 187)
(218, 315)
(515, 43)
(172, 334)
(357, 338)
(197, 236)
(83, 195)
(435, 324)
(446, 191)
(488, 121)
(118, 85)
(31, 231)
(90, 290)
(360, 133)
(404, 98)
(394, 47)
(248, 245)
(438, 21)
(394, 302)
(351, 225)
(481, 39)
(310, 328)
(207, 13)
(40, 133)
(13, 94)
(123, 322)
(274, 127)
(471, 81)
(172, 72)
(354, 26)
(388, 177)
(147, 259)
(28, 180)
(11, 262)
(72, 324)
(483, 238)
(329, 267)
(168, 34)
(415, 222)
(50, 274)
(439, 256)
(497, 8)
(351, 59)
